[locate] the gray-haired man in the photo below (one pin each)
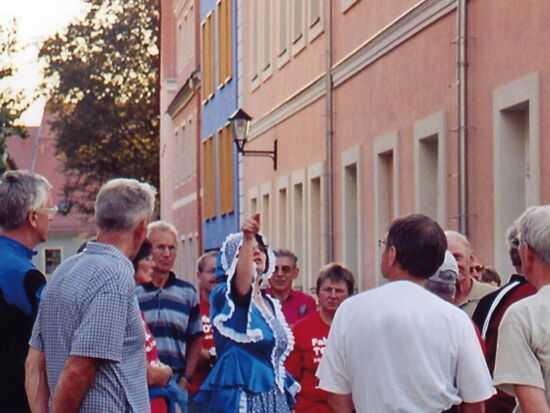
(523, 351)
(26, 210)
(87, 348)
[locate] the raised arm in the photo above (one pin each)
(245, 265)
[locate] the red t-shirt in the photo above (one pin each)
(203, 366)
(158, 404)
(310, 337)
(297, 305)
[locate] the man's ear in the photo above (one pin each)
(296, 273)
(32, 218)
(392, 256)
(141, 231)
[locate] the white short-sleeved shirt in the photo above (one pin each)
(400, 348)
(523, 348)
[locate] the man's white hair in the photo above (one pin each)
(122, 203)
(534, 230)
(461, 237)
(162, 226)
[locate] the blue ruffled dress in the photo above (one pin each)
(252, 347)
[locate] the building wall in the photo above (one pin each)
(395, 124)
(180, 129)
(389, 115)
(217, 105)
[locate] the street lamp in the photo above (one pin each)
(240, 124)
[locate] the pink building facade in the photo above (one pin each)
(180, 111)
(381, 109)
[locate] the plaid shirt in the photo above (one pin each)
(88, 309)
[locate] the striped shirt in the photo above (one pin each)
(172, 314)
(88, 309)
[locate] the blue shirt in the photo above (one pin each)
(88, 309)
(20, 286)
(173, 316)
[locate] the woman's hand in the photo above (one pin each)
(251, 226)
(245, 265)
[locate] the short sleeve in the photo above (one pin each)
(473, 379)
(332, 371)
(232, 318)
(516, 363)
(36, 340)
(102, 329)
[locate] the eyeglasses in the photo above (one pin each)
(162, 248)
(285, 269)
(382, 243)
(210, 271)
(51, 211)
(477, 268)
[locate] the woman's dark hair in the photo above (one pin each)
(336, 272)
(420, 244)
(144, 251)
(263, 247)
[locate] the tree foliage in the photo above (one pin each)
(12, 103)
(101, 76)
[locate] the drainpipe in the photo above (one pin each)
(329, 134)
(462, 64)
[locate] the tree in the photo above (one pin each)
(101, 76)
(12, 103)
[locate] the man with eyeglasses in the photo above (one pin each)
(468, 290)
(295, 304)
(26, 210)
(171, 309)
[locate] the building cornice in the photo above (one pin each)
(407, 25)
(185, 93)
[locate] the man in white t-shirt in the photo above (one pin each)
(400, 348)
(522, 366)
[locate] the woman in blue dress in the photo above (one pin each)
(252, 337)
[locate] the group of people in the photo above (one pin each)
(115, 329)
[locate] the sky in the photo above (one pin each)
(37, 20)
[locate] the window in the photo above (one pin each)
(209, 200)
(351, 209)
(297, 25)
(282, 51)
(266, 43)
(207, 57)
(52, 258)
(386, 190)
(316, 233)
(298, 226)
(225, 37)
(226, 168)
(345, 5)
(282, 217)
(255, 52)
(315, 19)
(185, 153)
(429, 149)
(266, 215)
(516, 157)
